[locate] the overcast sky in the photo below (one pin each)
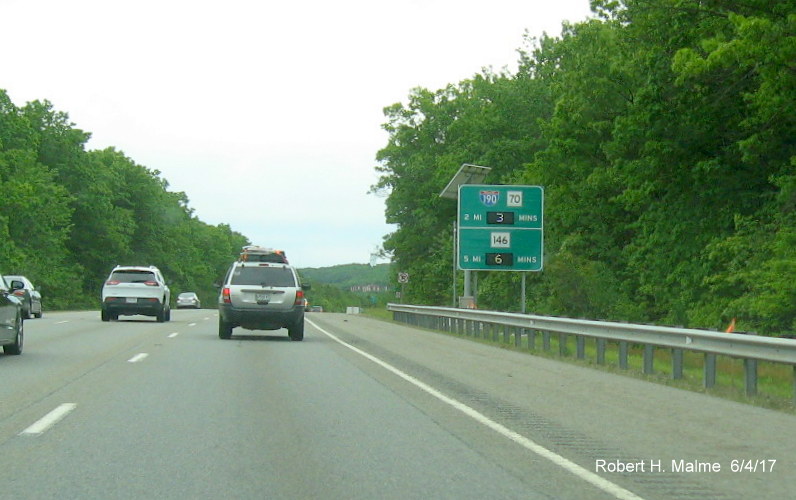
(266, 114)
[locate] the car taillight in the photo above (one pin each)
(112, 282)
(299, 298)
(151, 283)
(19, 293)
(225, 295)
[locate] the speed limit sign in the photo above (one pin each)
(403, 277)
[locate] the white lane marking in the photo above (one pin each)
(585, 474)
(138, 357)
(62, 322)
(174, 335)
(191, 324)
(49, 420)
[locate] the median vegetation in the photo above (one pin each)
(69, 215)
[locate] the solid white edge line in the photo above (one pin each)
(585, 474)
(49, 420)
(138, 357)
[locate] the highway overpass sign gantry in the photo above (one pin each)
(500, 228)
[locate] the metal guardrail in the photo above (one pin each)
(749, 348)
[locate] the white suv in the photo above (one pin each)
(261, 292)
(133, 290)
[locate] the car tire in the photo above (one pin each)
(105, 316)
(224, 329)
(39, 314)
(296, 331)
(15, 349)
(168, 313)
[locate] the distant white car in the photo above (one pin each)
(131, 290)
(188, 299)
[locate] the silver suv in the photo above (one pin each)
(133, 290)
(259, 295)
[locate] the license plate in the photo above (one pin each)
(132, 300)
(261, 297)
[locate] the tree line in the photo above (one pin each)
(69, 215)
(331, 286)
(664, 134)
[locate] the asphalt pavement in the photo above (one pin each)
(360, 409)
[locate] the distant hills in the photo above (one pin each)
(346, 276)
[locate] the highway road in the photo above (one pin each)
(361, 409)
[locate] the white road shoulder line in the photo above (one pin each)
(584, 474)
(49, 420)
(138, 357)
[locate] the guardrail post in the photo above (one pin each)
(601, 351)
(710, 370)
(750, 376)
(649, 359)
(623, 348)
(473, 323)
(677, 364)
(580, 346)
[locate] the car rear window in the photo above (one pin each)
(263, 276)
(133, 276)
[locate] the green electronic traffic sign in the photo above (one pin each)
(500, 228)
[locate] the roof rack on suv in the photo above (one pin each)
(256, 253)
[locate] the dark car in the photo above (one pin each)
(27, 294)
(11, 324)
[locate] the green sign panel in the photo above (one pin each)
(500, 228)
